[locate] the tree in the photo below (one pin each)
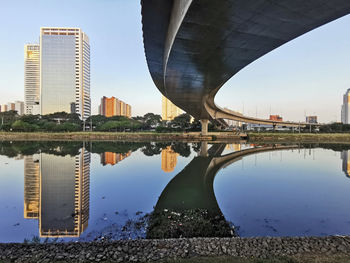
(152, 120)
(182, 121)
(24, 126)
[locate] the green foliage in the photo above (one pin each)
(67, 127)
(335, 127)
(182, 121)
(22, 126)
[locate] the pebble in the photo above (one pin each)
(164, 249)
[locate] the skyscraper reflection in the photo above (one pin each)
(169, 159)
(346, 163)
(31, 186)
(57, 192)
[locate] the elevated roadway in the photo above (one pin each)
(193, 47)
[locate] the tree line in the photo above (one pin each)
(71, 122)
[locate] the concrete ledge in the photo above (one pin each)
(156, 250)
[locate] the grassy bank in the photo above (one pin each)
(116, 136)
(300, 137)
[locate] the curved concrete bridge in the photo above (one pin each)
(194, 46)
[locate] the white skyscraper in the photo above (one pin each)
(31, 78)
(345, 114)
(65, 71)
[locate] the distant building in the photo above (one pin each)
(31, 78)
(169, 159)
(19, 107)
(64, 71)
(276, 118)
(311, 119)
(169, 110)
(345, 115)
(11, 106)
(114, 107)
(3, 107)
(113, 158)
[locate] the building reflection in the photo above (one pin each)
(234, 147)
(346, 163)
(57, 192)
(31, 186)
(169, 159)
(113, 158)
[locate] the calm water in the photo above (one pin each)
(90, 191)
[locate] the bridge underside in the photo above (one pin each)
(194, 46)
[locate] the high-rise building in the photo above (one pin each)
(64, 71)
(169, 110)
(169, 159)
(31, 78)
(345, 115)
(113, 107)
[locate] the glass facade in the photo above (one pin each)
(58, 74)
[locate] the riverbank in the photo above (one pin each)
(172, 249)
(300, 137)
(117, 136)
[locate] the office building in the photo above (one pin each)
(345, 115)
(169, 110)
(311, 119)
(113, 158)
(64, 71)
(31, 78)
(112, 106)
(276, 118)
(169, 159)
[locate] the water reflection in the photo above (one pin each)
(57, 186)
(187, 206)
(56, 192)
(346, 162)
(113, 158)
(169, 159)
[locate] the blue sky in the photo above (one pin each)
(309, 75)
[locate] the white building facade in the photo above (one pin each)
(345, 114)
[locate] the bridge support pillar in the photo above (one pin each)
(204, 123)
(204, 149)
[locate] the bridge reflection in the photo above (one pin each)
(187, 206)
